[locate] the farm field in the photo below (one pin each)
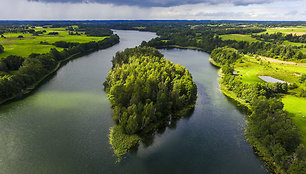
(238, 37)
(300, 30)
(32, 44)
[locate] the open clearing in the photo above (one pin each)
(238, 37)
(287, 30)
(251, 67)
(296, 106)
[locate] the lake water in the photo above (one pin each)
(62, 128)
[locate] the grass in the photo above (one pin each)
(293, 43)
(250, 68)
(296, 106)
(31, 44)
(122, 143)
(140, 28)
(238, 37)
(287, 30)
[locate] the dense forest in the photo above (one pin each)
(18, 75)
(270, 129)
(205, 36)
(209, 42)
(145, 90)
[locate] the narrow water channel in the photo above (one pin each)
(63, 127)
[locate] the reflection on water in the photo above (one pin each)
(63, 127)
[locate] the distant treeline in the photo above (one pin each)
(18, 74)
(280, 37)
(205, 36)
(270, 130)
(209, 42)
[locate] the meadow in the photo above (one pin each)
(251, 67)
(298, 30)
(32, 44)
(238, 37)
(296, 106)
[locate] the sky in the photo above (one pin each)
(264, 10)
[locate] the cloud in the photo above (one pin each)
(34, 10)
(162, 3)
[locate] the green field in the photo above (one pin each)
(238, 37)
(299, 30)
(296, 106)
(31, 44)
(250, 68)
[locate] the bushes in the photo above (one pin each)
(63, 44)
(225, 55)
(1, 49)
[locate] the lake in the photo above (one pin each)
(63, 126)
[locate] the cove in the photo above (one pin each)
(63, 126)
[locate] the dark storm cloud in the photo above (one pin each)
(159, 3)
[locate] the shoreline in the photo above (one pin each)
(258, 149)
(33, 87)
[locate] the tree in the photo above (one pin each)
(1, 49)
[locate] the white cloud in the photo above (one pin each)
(26, 10)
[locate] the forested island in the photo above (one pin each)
(21, 71)
(276, 129)
(146, 91)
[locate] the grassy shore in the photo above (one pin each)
(252, 66)
(122, 143)
(35, 85)
(29, 89)
(258, 148)
(228, 93)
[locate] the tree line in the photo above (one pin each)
(270, 129)
(206, 38)
(280, 37)
(209, 42)
(1, 49)
(18, 74)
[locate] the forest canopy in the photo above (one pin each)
(146, 89)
